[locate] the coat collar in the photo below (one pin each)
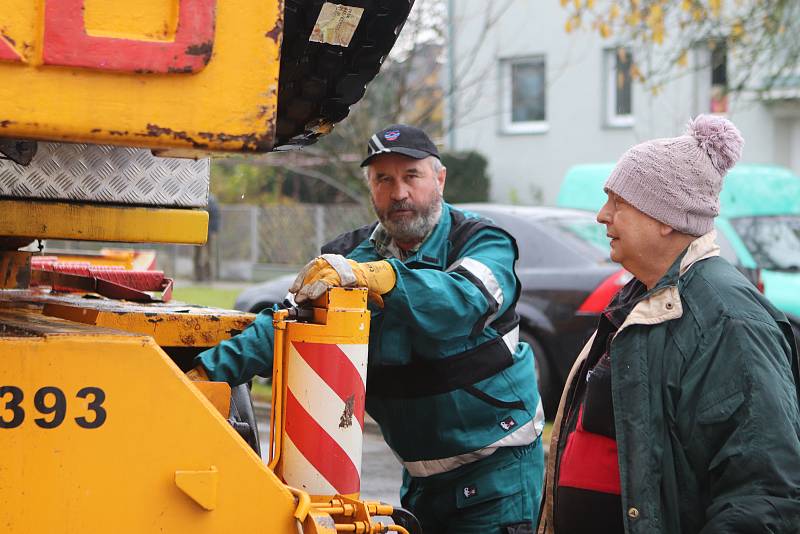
(663, 302)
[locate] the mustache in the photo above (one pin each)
(401, 205)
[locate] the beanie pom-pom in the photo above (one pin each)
(719, 138)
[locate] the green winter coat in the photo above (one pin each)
(705, 393)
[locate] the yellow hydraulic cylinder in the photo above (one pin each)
(319, 389)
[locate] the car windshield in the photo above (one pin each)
(561, 241)
(774, 242)
(589, 231)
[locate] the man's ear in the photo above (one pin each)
(665, 229)
(441, 179)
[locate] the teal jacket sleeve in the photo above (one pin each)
(238, 359)
(462, 300)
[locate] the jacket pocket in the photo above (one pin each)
(494, 401)
(490, 485)
(719, 406)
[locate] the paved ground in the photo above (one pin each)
(380, 470)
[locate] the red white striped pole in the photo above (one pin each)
(323, 404)
(324, 417)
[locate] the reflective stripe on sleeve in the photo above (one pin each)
(511, 339)
(483, 278)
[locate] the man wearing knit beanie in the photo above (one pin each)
(682, 413)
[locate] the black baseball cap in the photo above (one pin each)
(400, 139)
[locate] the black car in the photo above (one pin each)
(567, 280)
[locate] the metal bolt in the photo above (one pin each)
(633, 513)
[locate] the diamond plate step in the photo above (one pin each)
(108, 175)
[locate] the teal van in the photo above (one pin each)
(759, 218)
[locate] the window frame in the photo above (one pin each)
(507, 125)
(704, 73)
(611, 119)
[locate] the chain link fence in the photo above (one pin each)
(254, 243)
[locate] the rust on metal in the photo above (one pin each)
(8, 38)
(346, 420)
(26, 320)
(180, 70)
(171, 325)
(249, 142)
(203, 50)
(276, 32)
(15, 269)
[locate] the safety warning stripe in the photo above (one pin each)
(299, 473)
(334, 415)
(343, 377)
(322, 451)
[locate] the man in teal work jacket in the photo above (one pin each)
(449, 383)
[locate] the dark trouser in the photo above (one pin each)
(499, 494)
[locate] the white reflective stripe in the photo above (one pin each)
(482, 273)
(538, 419)
(524, 435)
(378, 143)
(342, 268)
(511, 339)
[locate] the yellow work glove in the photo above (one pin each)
(333, 270)
(198, 374)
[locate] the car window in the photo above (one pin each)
(554, 242)
(774, 242)
(589, 231)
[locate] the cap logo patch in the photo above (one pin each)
(470, 491)
(391, 135)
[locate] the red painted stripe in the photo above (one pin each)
(335, 369)
(319, 448)
(7, 51)
(67, 43)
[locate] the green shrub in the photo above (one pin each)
(467, 180)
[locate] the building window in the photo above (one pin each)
(711, 78)
(719, 77)
(619, 87)
(524, 93)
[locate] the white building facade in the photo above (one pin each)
(535, 100)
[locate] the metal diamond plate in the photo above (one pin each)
(107, 174)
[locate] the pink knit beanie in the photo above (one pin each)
(677, 181)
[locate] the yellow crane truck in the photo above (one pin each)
(110, 110)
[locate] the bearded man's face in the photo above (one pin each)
(406, 194)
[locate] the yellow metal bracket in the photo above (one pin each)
(92, 222)
(218, 393)
(200, 486)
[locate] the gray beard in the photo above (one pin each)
(416, 228)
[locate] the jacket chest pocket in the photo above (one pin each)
(718, 407)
